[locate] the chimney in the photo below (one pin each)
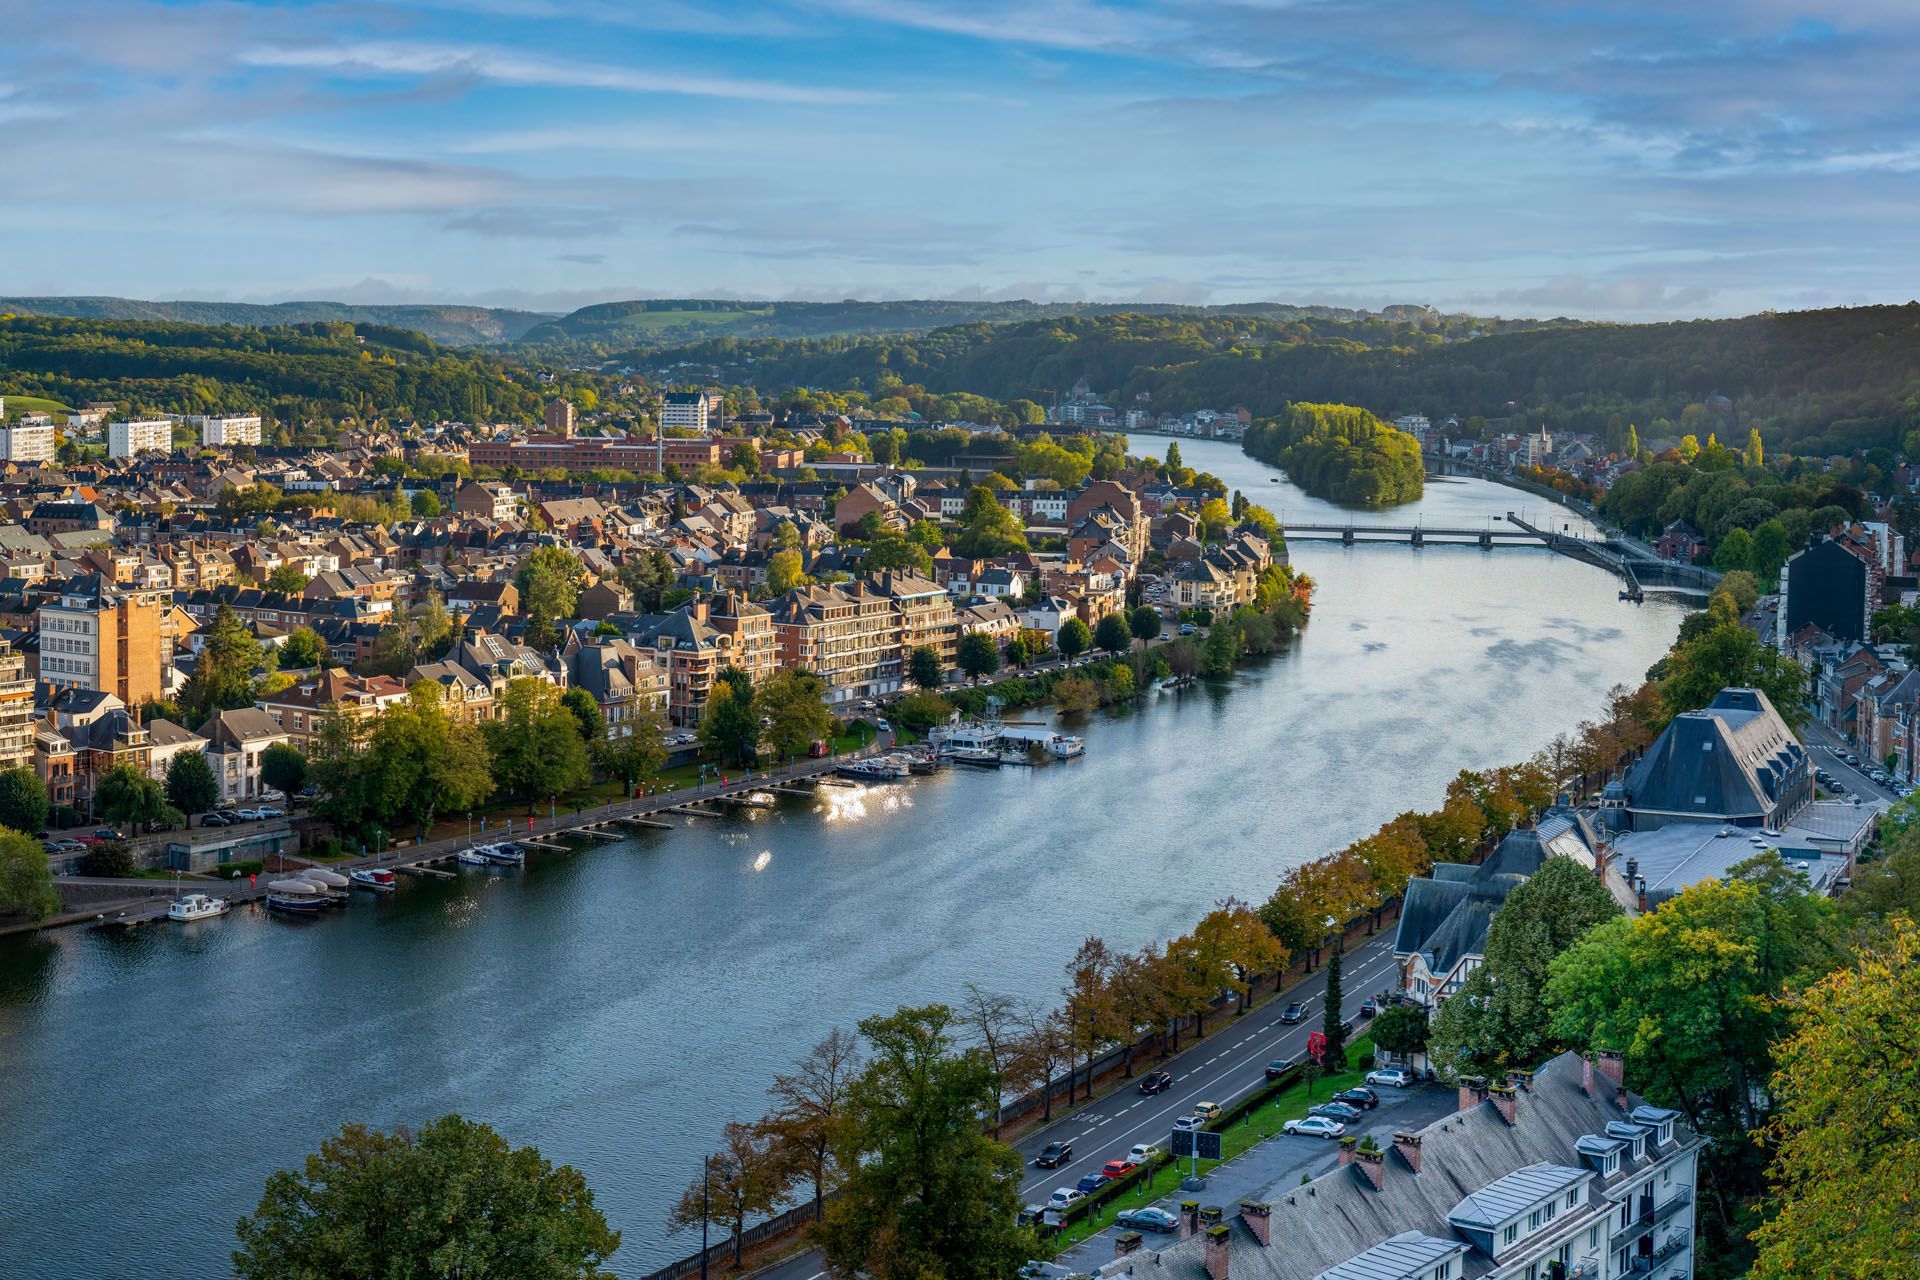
(1211, 1215)
(1408, 1145)
(1521, 1080)
(1586, 1074)
(699, 610)
(1346, 1151)
(1218, 1238)
(1505, 1100)
(1189, 1217)
(1640, 888)
(1611, 1065)
(1373, 1164)
(1473, 1092)
(1127, 1242)
(1258, 1215)
(1633, 870)
(1620, 1097)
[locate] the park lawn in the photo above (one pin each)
(17, 405)
(1244, 1134)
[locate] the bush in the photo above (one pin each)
(107, 858)
(252, 867)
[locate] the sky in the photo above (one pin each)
(1609, 158)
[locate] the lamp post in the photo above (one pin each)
(706, 1181)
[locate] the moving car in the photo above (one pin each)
(1065, 1197)
(108, 833)
(1156, 1082)
(1189, 1124)
(1143, 1152)
(1294, 1013)
(1369, 1007)
(1398, 1077)
(1277, 1068)
(1358, 1096)
(1315, 1127)
(1150, 1218)
(1114, 1170)
(1054, 1154)
(1336, 1111)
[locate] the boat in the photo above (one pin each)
(331, 883)
(875, 770)
(197, 906)
(472, 857)
(920, 762)
(376, 879)
(757, 800)
(1015, 755)
(504, 854)
(968, 735)
(1064, 746)
(298, 897)
(985, 756)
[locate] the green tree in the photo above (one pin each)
(126, 796)
(1729, 655)
(303, 650)
(1771, 547)
(223, 674)
(1734, 552)
(535, 745)
(549, 582)
(1075, 638)
(978, 655)
(1173, 455)
(927, 1193)
(23, 800)
(288, 578)
(1018, 651)
(1843, 1131)
(425, 503)
(921, 711)
(107, 859)
(191, 787)
(743, 1180)
(792, 705)
(1334, 1055)
(428, 761)
(784, 571)
(730, 728)
(454, 1199)
(1755, 453)
(1113, 634)
(637, 755)
(1499, 1017)
(1400, 1029)
(586, 712)
(1145, 623)
(282, 767)
(923, 667)
(26, 881)
(1632, 451)
(809, 1111)
(987, 528)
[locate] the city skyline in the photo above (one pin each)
(1608, 160)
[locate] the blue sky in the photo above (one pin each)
(1524, 157)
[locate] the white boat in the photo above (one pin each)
(504, 854)
(1064, 746)
(331, 883)
(473, 857)
(301, 897)
(375, 879)
(966, 735)
(876, 770)
(1015, 755)
(757, 800)
(987, 756)
(197, 906)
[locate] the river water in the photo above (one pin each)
(617, 1004)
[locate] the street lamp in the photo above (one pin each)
(706, 1181)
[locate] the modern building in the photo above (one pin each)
(1557, 1175)
(131, 439)
(16, 709)
(1832, 585)
(96, 636)
(693, 410)
(28, 441)
(223, 431)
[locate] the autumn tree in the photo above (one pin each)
(535, 745)
(793, 701)
(742, 1180)
(1044, 1046)
(992, 1021)
(1086, 1010)
(1243, 945)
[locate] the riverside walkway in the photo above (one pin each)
(610, 821)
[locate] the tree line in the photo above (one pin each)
(1341, 453)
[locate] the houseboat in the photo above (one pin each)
(332, 883)
(197, 906)
(1063, 746)
(504, 854)
(296, 897)
(373, 879)
(472, 856)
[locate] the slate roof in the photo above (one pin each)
(1735, 760)
(1446, 914)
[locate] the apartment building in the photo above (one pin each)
(1562, 1174)
(560, 417)
(235, 742)
(223, 431)
(694, 410)
(923, 613)
(96, 636)
(300, 709)
(131, 439)
(846, 635)
(16, 709)
(28, 441)
(748, 631)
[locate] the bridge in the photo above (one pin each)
(1488, 536)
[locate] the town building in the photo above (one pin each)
(560, 417)
(94, 635)
(1833, 585)
(28, 441)
(17, 715)
(236, 740)
(1560, 1173)
(131, 439)
(1442, 935)
(692, 410)
(224, 431)
(847, 635)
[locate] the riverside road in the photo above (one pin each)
(1228, 1063)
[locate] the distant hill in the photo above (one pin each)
(449, 325)
(653, 324)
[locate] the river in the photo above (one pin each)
(617, 1004)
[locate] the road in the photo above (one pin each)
(1221, 1068)
(1829, 753)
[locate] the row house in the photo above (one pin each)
(236, 740)
(847, 635)
(624, 679)
(464, 696)
(299, 710)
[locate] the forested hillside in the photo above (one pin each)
(449, 325)
(318, 372)
(1341, 453)
(1813, 382)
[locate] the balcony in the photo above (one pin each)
(1674, 1204)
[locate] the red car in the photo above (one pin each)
(1118, 1169)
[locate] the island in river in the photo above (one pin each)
(1341, 453)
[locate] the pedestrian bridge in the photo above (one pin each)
(1488, 536)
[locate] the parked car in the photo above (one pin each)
(1150, 1218)
(273, 794)
(1065, 1197)
(1358, 1096)
(1187, 628)
(251, 815)
(1397, 1077)
(1207, 1111)
(1294, 1013)
(1336, 1111)
(1189, 1124)
(1038, 1270)
(1054, 1154)
(1346, 1026)
(215, 820)
(108, 833)
(1277, 1068)
(1143, 1152)
(1092, 1182)
(1314, 1127)
(1156, 1082)
(1116, 1169)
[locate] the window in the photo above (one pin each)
(1573, 1198)
(1511, 1233)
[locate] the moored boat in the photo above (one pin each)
(197, 906)
(373, 879)
(1016, 754)
(473, 857)
(757, 800)
(1064, 746)
(986, 757)
(298, 897)
(504, 854)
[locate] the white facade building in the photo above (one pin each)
(29, 439)
(128, 439)
(223, 431)
(691, 409)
